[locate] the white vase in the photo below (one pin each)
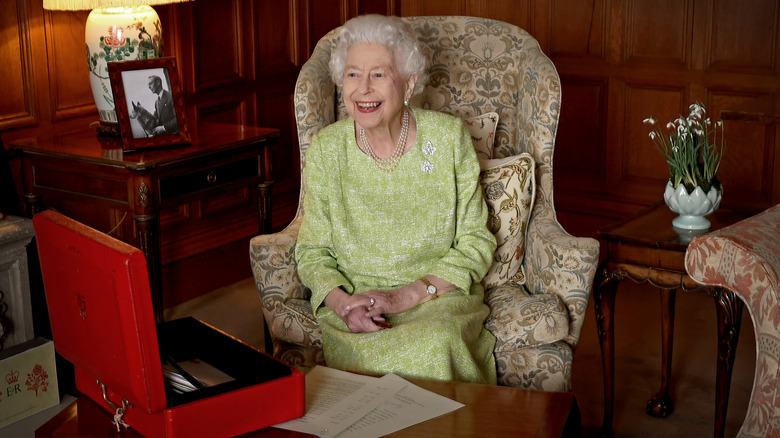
(692, 208)
(118, 34)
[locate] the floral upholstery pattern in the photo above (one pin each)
(745, 258)
(476, 66)
(482, 128)
(508, 187)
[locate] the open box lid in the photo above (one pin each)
(100, 307)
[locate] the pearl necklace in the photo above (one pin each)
(388, 164)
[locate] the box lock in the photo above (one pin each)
(119, 411)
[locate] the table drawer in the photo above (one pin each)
(202, 179)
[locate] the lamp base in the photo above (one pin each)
(105, 129)
(118, 34)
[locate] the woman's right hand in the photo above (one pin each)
(358, 322)
(354, 317)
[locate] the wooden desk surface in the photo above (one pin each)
(652, 227)
(83, 144)
(489, 411)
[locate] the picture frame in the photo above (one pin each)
(149, 103)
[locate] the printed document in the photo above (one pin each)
(340, 404)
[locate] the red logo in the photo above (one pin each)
(12, 377)
(37, 380)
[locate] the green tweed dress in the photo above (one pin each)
(365, 229)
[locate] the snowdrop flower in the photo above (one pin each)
(692, 148)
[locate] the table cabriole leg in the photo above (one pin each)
(604, 304)
(661, 404)
(729, 312)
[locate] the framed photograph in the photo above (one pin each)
(149, 103)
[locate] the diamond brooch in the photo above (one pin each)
(428, 150)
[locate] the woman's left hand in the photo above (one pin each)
(385, 302)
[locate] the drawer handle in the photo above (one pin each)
(211, 177)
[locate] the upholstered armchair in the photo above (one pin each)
(745, 258)
(476, 66)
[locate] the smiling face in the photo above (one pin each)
(374, 89)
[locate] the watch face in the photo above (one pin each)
(432, 290)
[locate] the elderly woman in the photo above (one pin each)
(394, 241)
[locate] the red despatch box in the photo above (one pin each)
(100, 306)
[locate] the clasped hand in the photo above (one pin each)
(364, 312)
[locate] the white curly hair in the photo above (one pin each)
(388, 31)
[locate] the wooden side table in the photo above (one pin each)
(646, 248)
(91, 179)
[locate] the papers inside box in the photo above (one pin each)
(218, 361)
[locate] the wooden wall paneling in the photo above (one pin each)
(582, 133)
(221, 67)
(17, 96)
(744, 38)
(384, 7)
(274, 40)
(69, 88)
(325, 16)
(181, 34)
(578, 28)
(641, 164)
(410, 8)
(517, 12)
(658, 31)
(216, 33)
(748, 167)
(231, 111)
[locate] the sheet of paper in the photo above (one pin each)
(408, 407)
(337, 399)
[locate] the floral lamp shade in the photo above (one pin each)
(116, 30)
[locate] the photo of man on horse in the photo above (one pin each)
(163, 121)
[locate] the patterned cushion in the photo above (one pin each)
(509, 188)
(483, 132)
(518, 319)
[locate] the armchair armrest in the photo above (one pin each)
(285, 300)
(745, 258)
(557, 262)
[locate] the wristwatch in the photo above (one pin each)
(430, 288)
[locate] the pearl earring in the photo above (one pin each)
(406, 102)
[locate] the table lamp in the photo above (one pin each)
(116, 30)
